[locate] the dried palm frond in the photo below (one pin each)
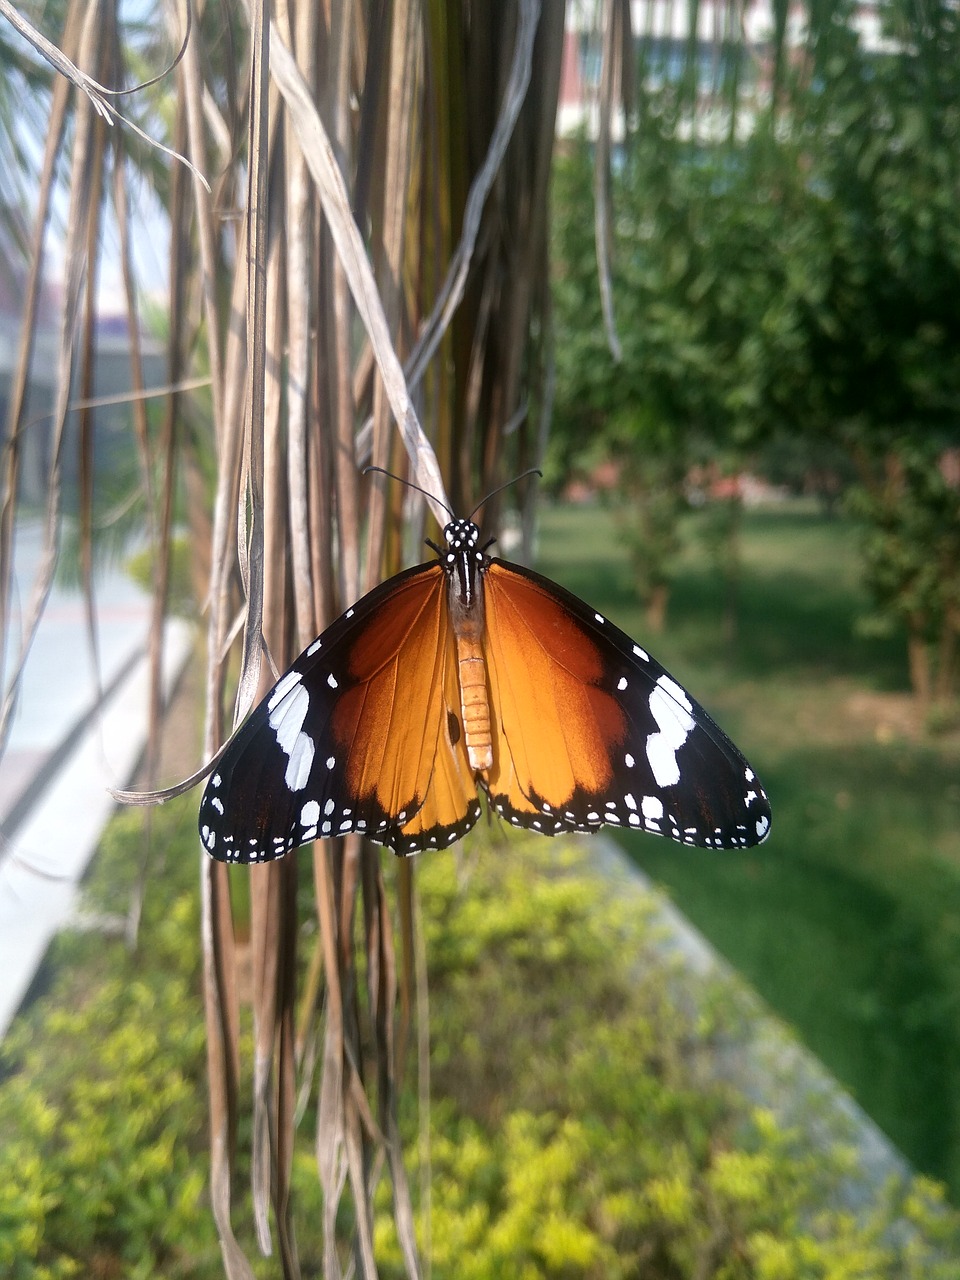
(366, 185)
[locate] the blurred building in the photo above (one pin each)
(114, 446)
(661, 29)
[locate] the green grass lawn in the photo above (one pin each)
(847, 920)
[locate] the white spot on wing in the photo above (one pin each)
(300, 763)
(282, 688)
(310, 814)
(641, 653)
(671, 708)
(652, 807)
(315, 646)
(675, 691)
(286, 718)
(288, 714)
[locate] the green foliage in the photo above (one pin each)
(181, 597)
(588, 383)
(650, 500)
(847, 921)
(885, 167)
(575, 1129)
(709, 295)
(575, 1126)
(797, 281)
(102, 1164)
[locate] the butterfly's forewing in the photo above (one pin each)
(356, 736)
(589, 729)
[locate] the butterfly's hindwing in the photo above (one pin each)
(625, 745)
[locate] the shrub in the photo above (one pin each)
(576, 1128)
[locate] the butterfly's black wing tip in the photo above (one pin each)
(749, 830)
(757, 806)
(763, 826)
(224, 841)
(226, 848)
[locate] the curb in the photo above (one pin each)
(54, 841)
(761, 1056)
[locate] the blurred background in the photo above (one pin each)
(699, 262)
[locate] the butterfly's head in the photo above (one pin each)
(462, 547)
(462, 554)
(460, 536)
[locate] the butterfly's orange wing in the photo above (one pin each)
(588, 729)
(361, 734)
(554, 724)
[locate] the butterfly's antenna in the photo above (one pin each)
(532, 471)
(410, 485)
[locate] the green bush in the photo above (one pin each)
(102, 1111)
(575, 1127)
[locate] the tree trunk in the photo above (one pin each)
(657, 608)
(947, 656)
(918, 654)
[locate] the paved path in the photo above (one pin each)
(66, 747)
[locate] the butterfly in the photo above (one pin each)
(467, 676)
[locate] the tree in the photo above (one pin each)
(912, 558)
(785, 260)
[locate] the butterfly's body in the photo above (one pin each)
(464, 565)
(464, 675)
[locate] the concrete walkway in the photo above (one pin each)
(70, 741)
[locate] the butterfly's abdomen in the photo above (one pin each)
(474, 702)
